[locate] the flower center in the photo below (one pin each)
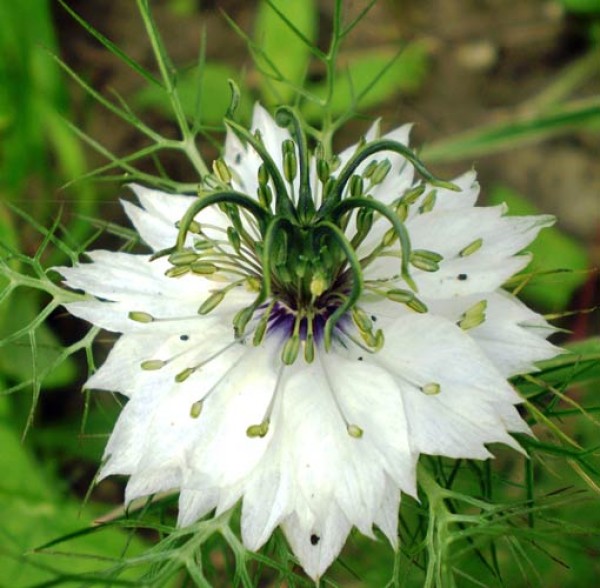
(297, 243)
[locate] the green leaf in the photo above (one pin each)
(33, 513)
(580, 365)
(16, 358)
(582, 6)
(284, 32)
(552, 250)
(516, 131)
(372, 77)
(214, 101)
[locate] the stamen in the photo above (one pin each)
(352, 429)
(153, 364)
(471, 248)
(262, 428)
(196, 409)
(183, 257)
(177, 271)
(222, 171)
(431, 389)
(425, 260)
(473, 316)
(380, 172)
(141, 317)
(428, 202)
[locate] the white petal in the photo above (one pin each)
(318, 545)
(386, 517)
(512, 336)
(196, 502)
(464, 415)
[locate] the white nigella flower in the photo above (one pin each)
(305, 329)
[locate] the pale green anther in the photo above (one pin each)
(253, 283)
(335, 163)
(427, 261)
(140, 317)
(318, 285)
(370, 169)
(265, 196)
(390, 237)
(212, 302)
(261, 430)
(290, 166)
(203, 268)
(184, 375)
(413, 194)
(379, 340)
(402, 211)
(428, 202)
(354, 431)
(471, 248)
(241, 319)
(222, 171)
(369, 338)
(263, 175)
(397, 295)
(234, 239)
(473, 316)
(381, 171)
(309, 349)
(261, 329)
(196, 409)
(327, 187)
(203, 244)
(193, 227)
(417, 305)
(184, 257)
(177, 271)
(323, 170)
(290, 350)
(431, 389)
(361, 319)
(356, 185)
(364, 220)
(153, 364)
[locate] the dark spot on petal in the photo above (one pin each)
(184, 337)
(360, 358)
(373, 318)
(314, 539)
(462, 277)
(238, 158)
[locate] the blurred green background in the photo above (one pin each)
(510, 87)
